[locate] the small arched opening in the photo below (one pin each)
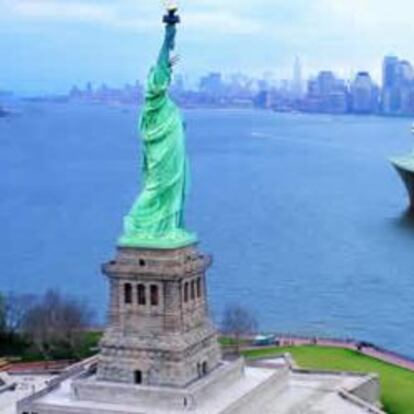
(204, 368)
(186, 292)
(155, 295)
(141, 293)
(138, 376)
(128, 293)
(199, 287)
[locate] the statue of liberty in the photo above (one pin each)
(156, 218)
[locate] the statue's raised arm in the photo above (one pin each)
(168, 45)
(159, 78)
(156, 219)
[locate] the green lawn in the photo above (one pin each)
(397, 384)
(228, 341)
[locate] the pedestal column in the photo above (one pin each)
(159, 332)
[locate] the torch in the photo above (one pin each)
(171, 18)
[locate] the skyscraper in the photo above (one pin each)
(297, 84)
(326, 82)
(391, 96)
(390, 71)
(406, 84)
(405, 73)
(364, 94)
(398, 86)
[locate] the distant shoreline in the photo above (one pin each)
(62, 100)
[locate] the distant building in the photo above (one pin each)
(407, 101)
(405, 73)
(128, 94)
(75, 92)
(212, 84)
(89, 90)
(178, 85)
(326, 83)
(406, 85)
(390, 72)
(262, 99)
(297, 83)
(364, 94)
(390, 93)
(398, 87)
(327, 94)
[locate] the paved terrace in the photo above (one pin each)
(294, 391)
(25, 385)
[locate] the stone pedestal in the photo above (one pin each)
(158, 333)
(160, 355)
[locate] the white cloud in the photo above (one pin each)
(370, 14)
(130, 14)
(348, 34)
(57, 11)
(237, 16)
(221, 22)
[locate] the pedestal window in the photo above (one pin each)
(155, 295)
(141, 295)
(199, 287)
(128, 293)
(186, 291)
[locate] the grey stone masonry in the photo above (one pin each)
(158, 333)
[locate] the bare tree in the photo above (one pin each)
(56, 320)
(238, 321)
(16, 308)
(12, 312)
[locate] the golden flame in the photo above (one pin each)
(171, 5)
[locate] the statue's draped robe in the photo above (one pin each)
(156, 218)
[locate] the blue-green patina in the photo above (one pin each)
(156, 219)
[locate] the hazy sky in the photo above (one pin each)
(47, 45)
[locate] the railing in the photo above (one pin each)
(72, 371)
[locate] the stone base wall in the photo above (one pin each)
(162, 398)
(175, 365)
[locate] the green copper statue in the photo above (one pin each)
(156, 218)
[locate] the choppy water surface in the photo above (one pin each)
(303, 214)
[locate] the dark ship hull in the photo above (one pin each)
(405, 168)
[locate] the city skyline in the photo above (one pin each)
(323, 93)
(57, 43)
(296, 78)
